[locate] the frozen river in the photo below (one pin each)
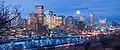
(42, 41)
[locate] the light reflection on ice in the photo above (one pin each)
(57, 42)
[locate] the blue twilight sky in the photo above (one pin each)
(109, 9)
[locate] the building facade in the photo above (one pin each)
(41, 21)
(82, 18)
(91, 20)
(102, 21)
(37, 19)
(52, 20)
(24, 22)
(69, 22)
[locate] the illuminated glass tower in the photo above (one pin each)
(91, 21)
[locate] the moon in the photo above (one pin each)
(78, 12)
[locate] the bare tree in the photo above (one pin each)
(6, 12)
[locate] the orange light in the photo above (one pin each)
(66, 47)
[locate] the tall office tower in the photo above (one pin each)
(39, 17)
(40, 13)
(91, 21)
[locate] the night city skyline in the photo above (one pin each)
(101, 8)
(59, 25)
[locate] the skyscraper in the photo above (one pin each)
(40, 14)
(37, 19)
(40, 18)
(52, 20)
(91, 20)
